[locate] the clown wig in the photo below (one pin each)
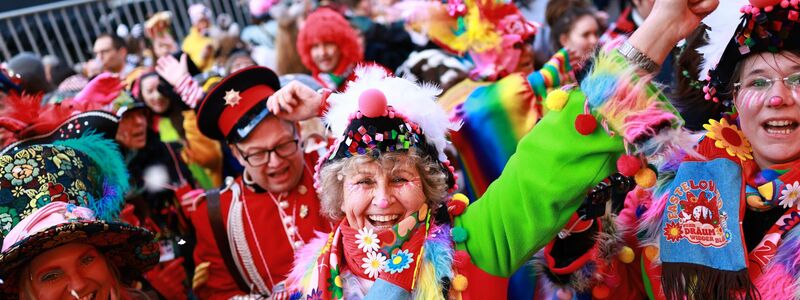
(325, 25)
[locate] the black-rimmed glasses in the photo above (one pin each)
(262, 157)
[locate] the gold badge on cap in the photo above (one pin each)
(232, 98)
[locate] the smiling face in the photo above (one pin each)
(280, 174)
(152, 98)
(69, 269)
(378, 195)
(582, 37)
(326, 56)
(769, 116)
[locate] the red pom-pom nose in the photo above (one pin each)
(372, 103)
(764, 3)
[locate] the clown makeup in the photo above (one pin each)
(766, 100)
(379, 195)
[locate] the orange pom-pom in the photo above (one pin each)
(645, 178)
(460, 283)
(626, 255)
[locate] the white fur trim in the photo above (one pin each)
(723, 23)
(417, 102)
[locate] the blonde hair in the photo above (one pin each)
(331, 187)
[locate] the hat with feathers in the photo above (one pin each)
(765, 26)
(379, 113)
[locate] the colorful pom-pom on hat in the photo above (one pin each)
(379, 113)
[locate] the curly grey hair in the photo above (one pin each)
(331, 176)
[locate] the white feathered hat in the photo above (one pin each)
(381, 113)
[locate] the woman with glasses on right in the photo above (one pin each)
(714, 216)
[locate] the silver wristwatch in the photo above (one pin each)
(636, 57)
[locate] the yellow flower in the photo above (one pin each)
(729, 137)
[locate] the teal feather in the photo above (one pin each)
(106, 156)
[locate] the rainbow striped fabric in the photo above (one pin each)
(495, 116)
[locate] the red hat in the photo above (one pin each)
(237, 104)
(325, 25)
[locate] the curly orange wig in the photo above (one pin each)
(325, 25)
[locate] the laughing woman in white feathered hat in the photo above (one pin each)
(386, 182)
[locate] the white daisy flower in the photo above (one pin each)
(373, 264)
(790, 195)
(367, 240)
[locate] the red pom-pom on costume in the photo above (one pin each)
(628, 165)
(585, 124)
(456, 208)
(372, 103)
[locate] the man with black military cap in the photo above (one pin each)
(248, 231)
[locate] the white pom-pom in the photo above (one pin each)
(156, 178)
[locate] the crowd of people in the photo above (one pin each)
(459, 149)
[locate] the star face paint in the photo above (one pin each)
(378, 196)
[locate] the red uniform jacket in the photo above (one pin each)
(270, 235)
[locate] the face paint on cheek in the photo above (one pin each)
(415, 184)
(353, 187)
(758, 99)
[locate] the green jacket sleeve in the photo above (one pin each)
(541, 186)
